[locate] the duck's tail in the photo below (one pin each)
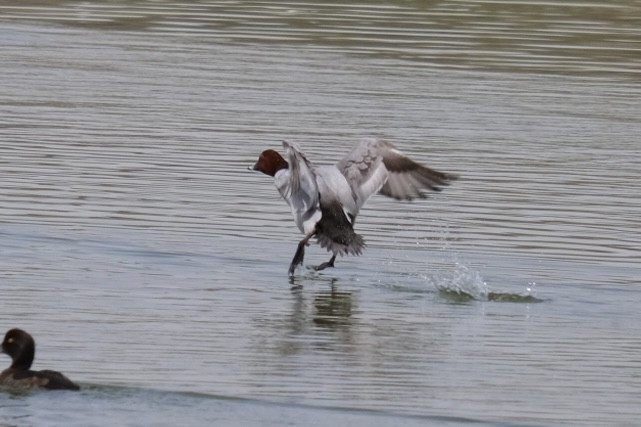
(335, 233)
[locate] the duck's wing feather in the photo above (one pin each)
(376, 165)
(408, 180)
(57, 381)
(302, 190)
(364, 169)
(52, 380)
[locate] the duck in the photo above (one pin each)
(325, 200)
(21, 347)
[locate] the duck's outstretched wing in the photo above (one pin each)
(376, 165)
(301, 191)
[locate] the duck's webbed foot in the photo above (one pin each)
(324, 265)
(300, 253)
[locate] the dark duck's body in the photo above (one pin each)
(20, 346)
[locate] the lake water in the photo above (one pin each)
(151, 266)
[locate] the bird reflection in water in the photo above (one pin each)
(332, 306)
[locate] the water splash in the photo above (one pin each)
(462, 284)
(465, 283)
(528, 296)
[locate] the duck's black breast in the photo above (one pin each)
(27, 379)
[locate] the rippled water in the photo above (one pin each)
(150, 264)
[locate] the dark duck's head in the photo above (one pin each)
(21, 347)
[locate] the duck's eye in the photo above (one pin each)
(10, 340)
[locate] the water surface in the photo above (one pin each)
(150, 264)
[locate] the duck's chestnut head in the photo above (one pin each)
(269, 162)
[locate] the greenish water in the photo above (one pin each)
(150, 264)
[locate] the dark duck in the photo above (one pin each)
(21, 347)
